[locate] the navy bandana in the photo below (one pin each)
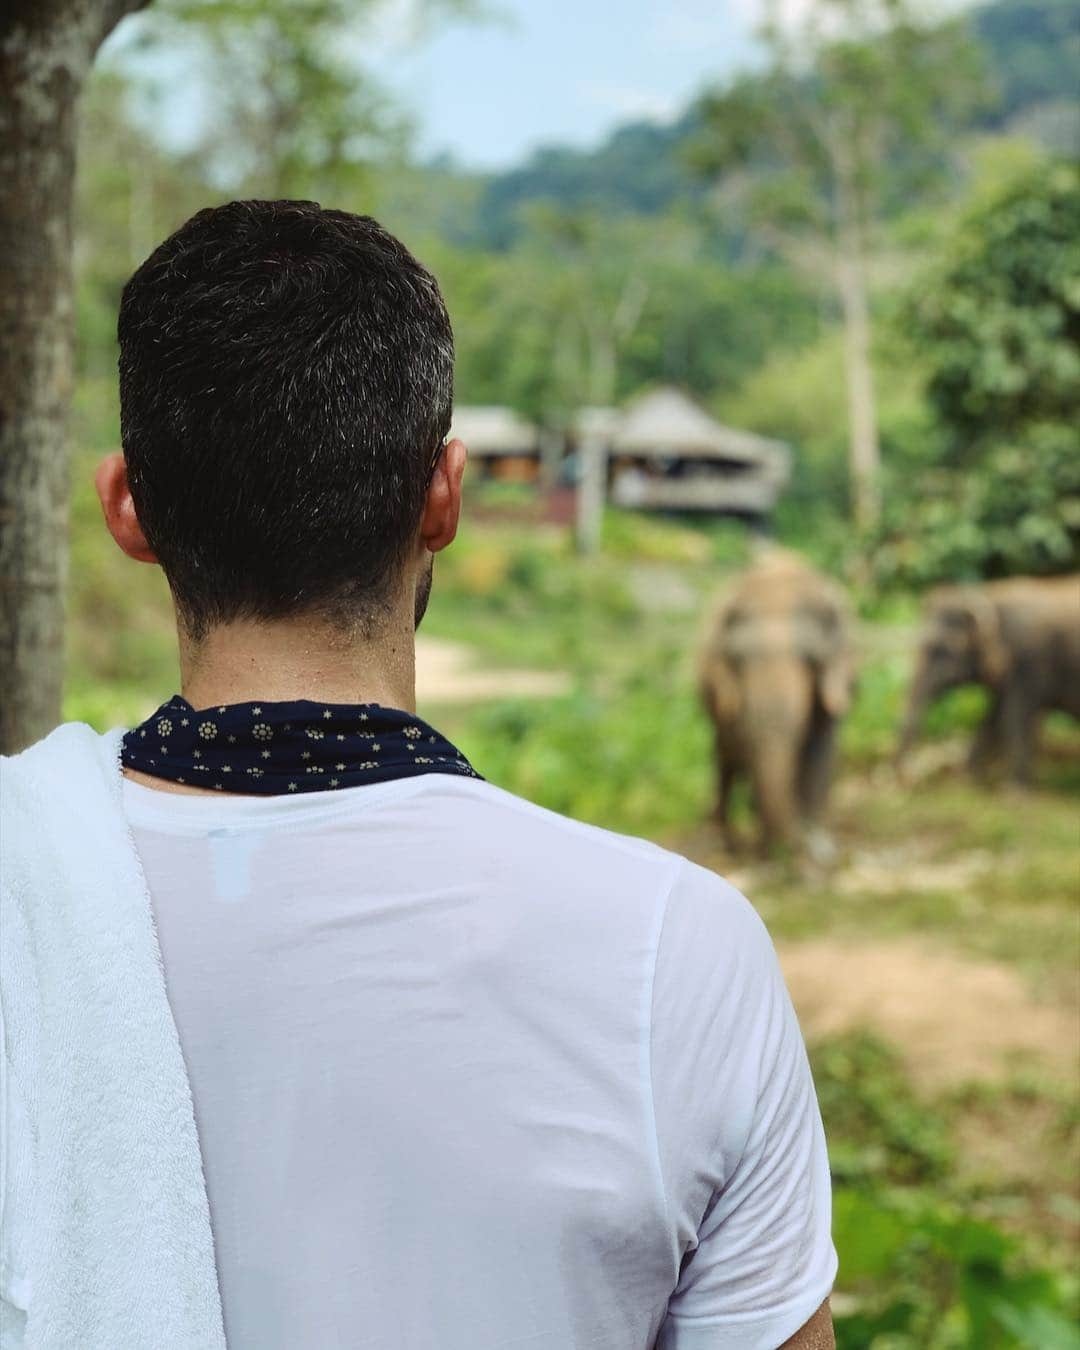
(271, 748)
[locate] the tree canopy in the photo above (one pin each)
(997, 323)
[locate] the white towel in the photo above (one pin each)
(107, 1226)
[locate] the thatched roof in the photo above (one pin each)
(488, 429)
(665, 422)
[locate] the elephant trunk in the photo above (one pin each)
(919, 700)
(780, 699)
(774, 772)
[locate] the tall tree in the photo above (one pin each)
(295, 109)
(603, 269)
(46, 50)
(852, 111)
(291, 113)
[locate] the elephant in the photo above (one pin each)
(1018, 638)
(776, 676)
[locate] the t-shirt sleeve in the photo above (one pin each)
(740, 1138)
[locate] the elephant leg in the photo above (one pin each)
(723, 778)
(1019, 724)
(725, 783)
(987, 740)
(815, 767)
(726, 775)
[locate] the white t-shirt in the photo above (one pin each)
(468, 1075)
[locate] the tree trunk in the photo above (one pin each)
(602, 361)
(46, 48)
(591, 492)
(862, 414)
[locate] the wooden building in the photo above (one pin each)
(665, 453)
(501, 443)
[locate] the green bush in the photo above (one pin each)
(1018, 512)
(917, 1270)
(878, 1130)
(926, 1276)
(997, 328)
(634, 758)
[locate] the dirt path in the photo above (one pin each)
(449, 672)
(953, 1019)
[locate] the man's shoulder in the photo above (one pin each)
(544, 838)
(521, 817)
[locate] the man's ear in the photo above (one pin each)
(442, 509)
(114, 494)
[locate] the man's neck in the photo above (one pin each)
(280, 662)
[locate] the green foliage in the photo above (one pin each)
(850, 117)
(129, 193)
(941, 1280)
(878, 1130)
(634, 757)
(851, 113)
(799, 397)
(294, 114)
(637, 171)
(584, 309)
(706, 326)
(1018, 512)
(121, 647)
(1000, 321)
(917, 1270)
(998, 327)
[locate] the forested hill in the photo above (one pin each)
(1032, 50)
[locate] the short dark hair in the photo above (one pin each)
(286, 374)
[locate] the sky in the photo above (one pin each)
(560, 72)
(535, 72)
(569, 71)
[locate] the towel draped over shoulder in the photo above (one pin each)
(106, 1241)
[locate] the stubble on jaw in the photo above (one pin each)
(423, 592)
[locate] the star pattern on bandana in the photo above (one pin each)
(299, 746)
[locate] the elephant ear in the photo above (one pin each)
(837, 682)
(823, 628)
(719, 685)
(721, 689)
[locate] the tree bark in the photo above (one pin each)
(46, 49)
